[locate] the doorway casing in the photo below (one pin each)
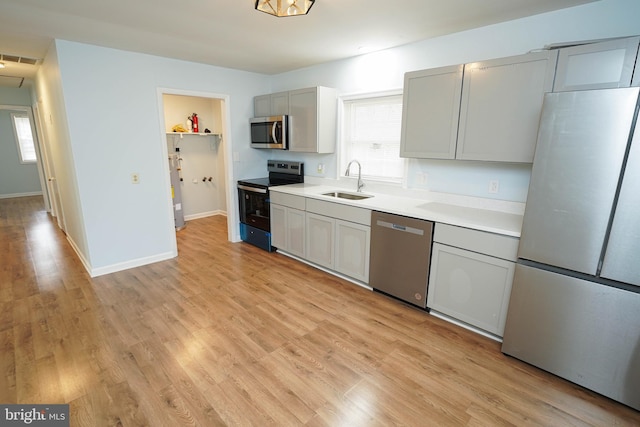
(232, 215)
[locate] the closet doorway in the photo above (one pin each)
(197, 159)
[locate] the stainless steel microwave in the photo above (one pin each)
(270, 132)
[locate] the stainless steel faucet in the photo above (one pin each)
(360, 184)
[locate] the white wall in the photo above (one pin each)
(385, 70)
(51, 101)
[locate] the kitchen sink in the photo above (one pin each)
(349, 196)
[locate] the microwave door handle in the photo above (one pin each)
(273, 132)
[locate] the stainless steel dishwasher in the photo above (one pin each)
(400, 256)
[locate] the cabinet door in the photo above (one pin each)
(601, 65)
(431, 105)
(470, 287)
(501, 107)
(319, 244)
(279, 103)
(295, 232)
(352, 250)
(274, 104)
(262, 106)
(278, 226)
(303, 120)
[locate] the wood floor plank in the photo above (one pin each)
(227, 334)
(8, 391)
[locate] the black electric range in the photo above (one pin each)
(254, 204)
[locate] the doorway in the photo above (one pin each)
(22, 164)
(203, 158)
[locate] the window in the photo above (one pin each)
(24, 137)
(371, 135)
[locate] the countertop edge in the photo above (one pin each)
(492, 221)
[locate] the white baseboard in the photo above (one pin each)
(204, 215)
(80, 255)
(94, 272)
(11, 196)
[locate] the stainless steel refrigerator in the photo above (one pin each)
(575, 303)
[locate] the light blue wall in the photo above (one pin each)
(115, 129)
(16, 179)
(385, 71)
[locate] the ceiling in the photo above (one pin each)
(230, 33)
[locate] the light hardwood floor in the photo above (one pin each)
(227, 334)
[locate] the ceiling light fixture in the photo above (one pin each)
(284, 7)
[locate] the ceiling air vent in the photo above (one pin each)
(18, 59)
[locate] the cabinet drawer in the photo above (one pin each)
(340, 211)
(505, 247)
(289, 200)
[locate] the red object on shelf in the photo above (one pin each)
(194, 119)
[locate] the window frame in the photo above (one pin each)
(19, 143)
(343, 159)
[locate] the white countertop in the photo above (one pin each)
(493, 221)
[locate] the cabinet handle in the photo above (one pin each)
(399, 227)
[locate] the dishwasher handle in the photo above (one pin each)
(400, 227)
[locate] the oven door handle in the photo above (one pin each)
(252, 189)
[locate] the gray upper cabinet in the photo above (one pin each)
(279, 103)
(501, 107)
(274, 104)
(482, 111)
(313, 115)
(604, 65)
(262, 106)
(431, 105)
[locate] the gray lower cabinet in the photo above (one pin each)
(332, 235)
(320, 230)
(288, 229)
(339, 245)
(471, 276)
(288, 223)
(352, 248)
(603, 65)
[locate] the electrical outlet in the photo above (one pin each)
(494, 186)
(320, 168)
(135, 178)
